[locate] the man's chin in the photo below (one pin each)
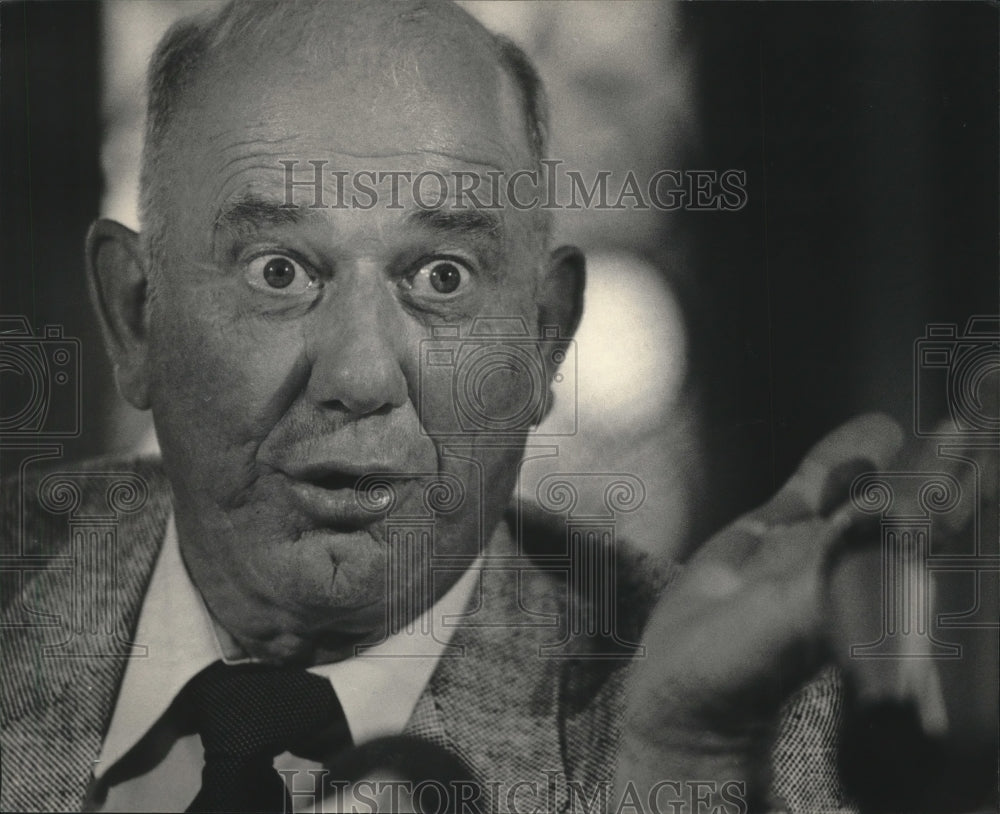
(345, 571)
(371, 594)
(306, 651)
(318, 590)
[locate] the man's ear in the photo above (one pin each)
(117, 278)
(560, 300)
(560, 305)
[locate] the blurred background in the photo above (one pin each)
(716, 346)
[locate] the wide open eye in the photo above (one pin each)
(279, 274)
(441, 277)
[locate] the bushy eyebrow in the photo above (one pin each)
(480, 223)
(249, 213)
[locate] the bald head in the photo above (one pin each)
(379, 60)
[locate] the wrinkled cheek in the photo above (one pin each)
(217, 386)
(478, 401)
(493, 389)
(508, 396)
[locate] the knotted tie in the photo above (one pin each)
(246, 716)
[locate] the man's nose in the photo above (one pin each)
(355, 348)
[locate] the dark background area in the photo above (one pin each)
(869, 133)
(50, 191)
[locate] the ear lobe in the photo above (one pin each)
(560, 301)
(117, 279)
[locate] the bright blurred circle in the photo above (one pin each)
(630, 348)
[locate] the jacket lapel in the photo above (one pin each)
(495, 700)
(517, 716)
(67, 636)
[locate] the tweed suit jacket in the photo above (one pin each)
(540, 732)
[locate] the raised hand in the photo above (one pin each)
(745, 625)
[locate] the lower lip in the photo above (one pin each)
(333, 507)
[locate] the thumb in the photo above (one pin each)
(819, 485)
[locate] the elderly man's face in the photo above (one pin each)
(286, 354)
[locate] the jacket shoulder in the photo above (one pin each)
(593, 687)
(613, 586)
(40, 505)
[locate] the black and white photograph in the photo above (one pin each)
(515, 406)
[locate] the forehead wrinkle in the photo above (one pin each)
(238, 184)
(331, 154)
(499, 153)
(269, 162)
(473, 160)
(251, 159)
(249, 132)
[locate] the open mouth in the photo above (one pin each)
(335, 481)
(333, 498)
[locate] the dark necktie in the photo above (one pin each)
(247, 715)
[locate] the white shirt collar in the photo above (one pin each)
(377, 689)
